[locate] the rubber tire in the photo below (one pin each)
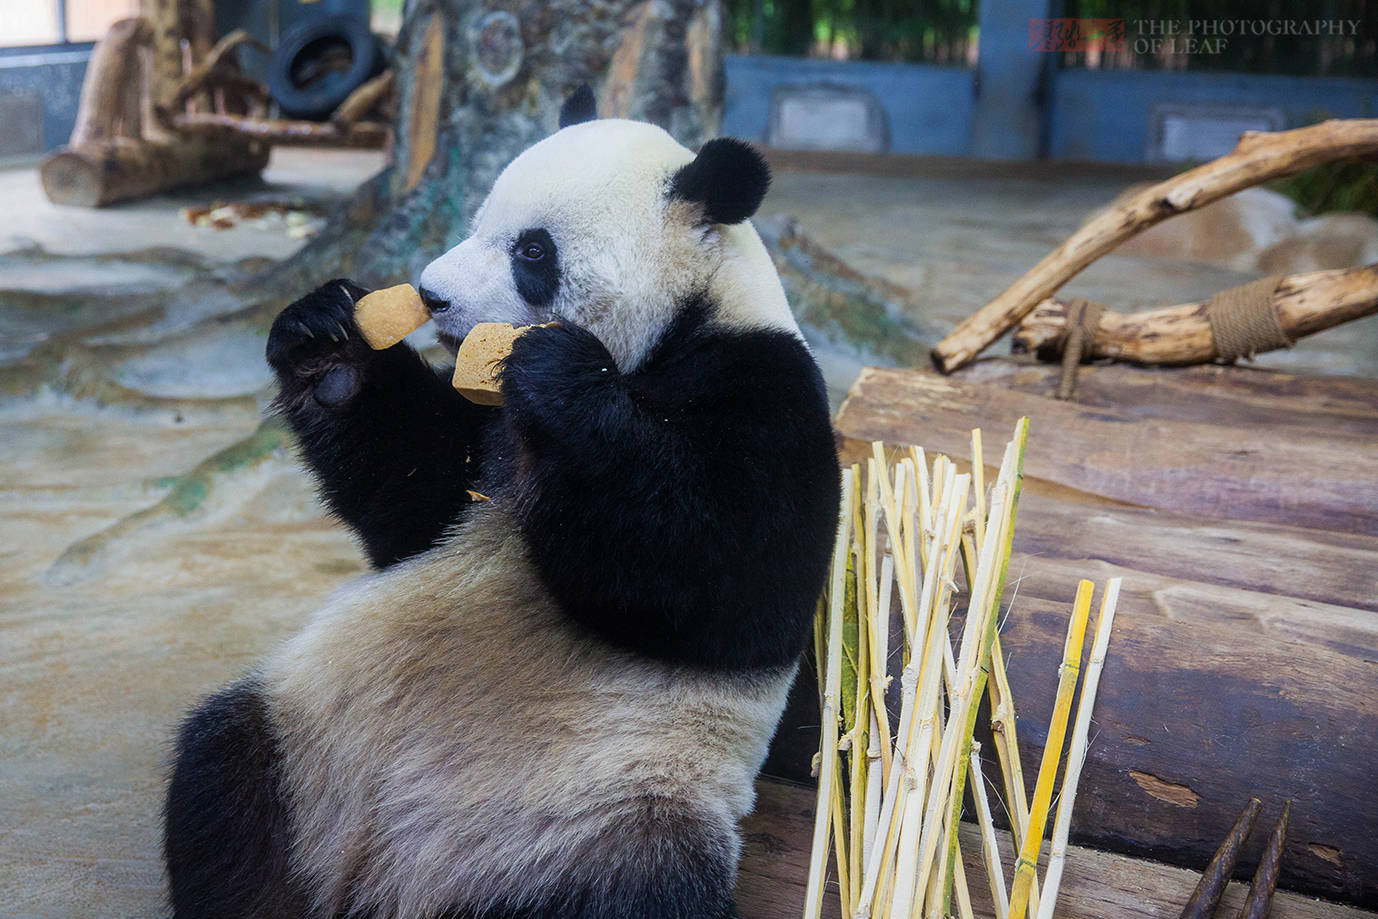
(318, 101)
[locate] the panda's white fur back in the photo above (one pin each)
(450, 737)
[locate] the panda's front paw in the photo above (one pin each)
(315, 348)
(555, 371)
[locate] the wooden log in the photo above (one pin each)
(278, 131)
(1212, 394)
(1174, 335)
(1096, 884)
(1243, 654)
(1257, 158)
(1314, 480)
(110, 92)
(102, 173)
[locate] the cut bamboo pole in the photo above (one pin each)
(1026, 866)
(990, 846)
(892, 831)
(1076, 753)
(999, 535)
(1257, 158)
(832, 675)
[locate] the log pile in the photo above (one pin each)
(120, 148)
(1238, 507)
(162, 107)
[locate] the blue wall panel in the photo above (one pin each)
(1103, 115)
(54, 76)
(927, 109)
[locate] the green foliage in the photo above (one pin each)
(1342, 186)
(938, 31)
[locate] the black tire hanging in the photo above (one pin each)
(302, 77)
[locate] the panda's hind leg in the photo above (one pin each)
(226, 831)
(654, 865)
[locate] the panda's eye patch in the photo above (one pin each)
(536, 266)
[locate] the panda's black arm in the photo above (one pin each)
(390, 442)
(685, 510)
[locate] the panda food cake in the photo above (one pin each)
(552, 703)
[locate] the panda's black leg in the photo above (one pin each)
(393, 446)
(226, 832)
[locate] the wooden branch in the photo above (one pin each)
(364, 99)
(97, 174)
(203, 72)
(1176, 335)
(365, 134)
(1259, 157)
(110, 93)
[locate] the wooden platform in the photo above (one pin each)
(1241, 508)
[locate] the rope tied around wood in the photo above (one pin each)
(1083, 320)
(1244, 320)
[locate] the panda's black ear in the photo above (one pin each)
(581, 106)
(728, 177)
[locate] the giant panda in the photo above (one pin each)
(552, 702)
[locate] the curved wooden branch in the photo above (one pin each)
(1259, 157)
(204, 72)
(1306, 303)
(364, 99)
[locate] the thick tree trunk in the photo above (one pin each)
(479, 82)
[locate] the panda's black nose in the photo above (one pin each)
(433, 302)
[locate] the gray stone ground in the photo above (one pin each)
(155, 541)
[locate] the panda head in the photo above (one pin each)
(613, 225)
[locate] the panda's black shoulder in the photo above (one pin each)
(730, 367)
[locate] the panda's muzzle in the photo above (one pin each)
(434, 303)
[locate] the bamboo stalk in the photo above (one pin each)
(964, 688)
(877, 753)
(1002, 726)
(921, 670)
(990, 847)
(1026, 866)
(1076, 753)
(832, 671)
(1000, 537)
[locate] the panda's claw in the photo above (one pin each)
(306, 329)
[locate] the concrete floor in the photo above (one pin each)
(137, 575)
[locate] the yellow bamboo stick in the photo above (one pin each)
(831, 714)
(1076, 753)
(1026, 867)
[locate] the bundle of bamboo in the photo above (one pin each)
(889, 802)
